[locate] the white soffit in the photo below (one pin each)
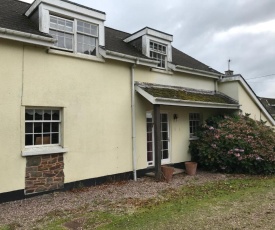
(69, 7)
(151, 32)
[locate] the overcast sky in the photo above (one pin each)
(211, 31)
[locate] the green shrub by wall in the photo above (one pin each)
(236, 144)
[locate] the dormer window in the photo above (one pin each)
(74, 35)
(62, 30)
(158, 52)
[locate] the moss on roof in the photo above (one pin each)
(190, 96)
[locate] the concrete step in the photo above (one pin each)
(176, 171)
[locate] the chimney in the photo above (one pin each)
(229, 72)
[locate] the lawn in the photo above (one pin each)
(235, 203)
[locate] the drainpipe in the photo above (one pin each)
(133, 121)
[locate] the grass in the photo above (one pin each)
(228, 204)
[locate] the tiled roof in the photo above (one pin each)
(269, 104)
(114, 42)
(12, 17)
(185, 94)
(182, 59)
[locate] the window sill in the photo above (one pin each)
(44, 150)
(193, 138)
(75, 55)
(162, 71)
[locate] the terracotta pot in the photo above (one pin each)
(167, 172)
(191, 168)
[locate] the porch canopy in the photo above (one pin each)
(179, 96)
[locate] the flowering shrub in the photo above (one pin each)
(236, 144)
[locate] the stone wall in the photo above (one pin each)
(44, 173)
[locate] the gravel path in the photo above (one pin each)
(26, 212)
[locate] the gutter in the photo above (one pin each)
(184, 69)
(132, 59)
(26, 37)
(133, 122)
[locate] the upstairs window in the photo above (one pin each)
(74, 35)
(62, 30)
(158, 52)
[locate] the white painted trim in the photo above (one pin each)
(183, 69)
(162, 71)
(250, 93)
(26, 37)
(67, 6)
(35, 151)
(127, 58)
(149, 31)
(76, 55)
(199, 104)
(183, 103)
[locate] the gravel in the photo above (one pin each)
(25, 213)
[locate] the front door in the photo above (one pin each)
(165, 155)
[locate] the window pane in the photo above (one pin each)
(164, 135)
(47, 115)
(55, 127)
(56, 115)
(38, 114)
(47, 127)
(29, 115)
(163, 117)
(55, 138)
(165, 145)
(29, 128)
(165, 154)
(28, 139)
(38, 127)
(149, 136)
(46, 140)
(38, 139)
(164, 127)
(149, 146)
(149, 156)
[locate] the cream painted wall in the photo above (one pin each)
(249, 106)
(230, 89)
(97, 116)
(94, 97)
(175, 79)
(12, 176)
(235, 90)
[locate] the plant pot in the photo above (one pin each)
(167, 172)
(191, 168)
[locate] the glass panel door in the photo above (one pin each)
(165, 156)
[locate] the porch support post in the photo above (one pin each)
(157, 135)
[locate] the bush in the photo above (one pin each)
(235, 144)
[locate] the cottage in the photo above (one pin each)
(81, 102)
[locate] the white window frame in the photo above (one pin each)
(43, 121)
(75, 33)
(194, 123)
(162, 53)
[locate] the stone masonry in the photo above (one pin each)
(44, 173)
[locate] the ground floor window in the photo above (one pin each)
(194, 123)
(42, 126)
(164, 138)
